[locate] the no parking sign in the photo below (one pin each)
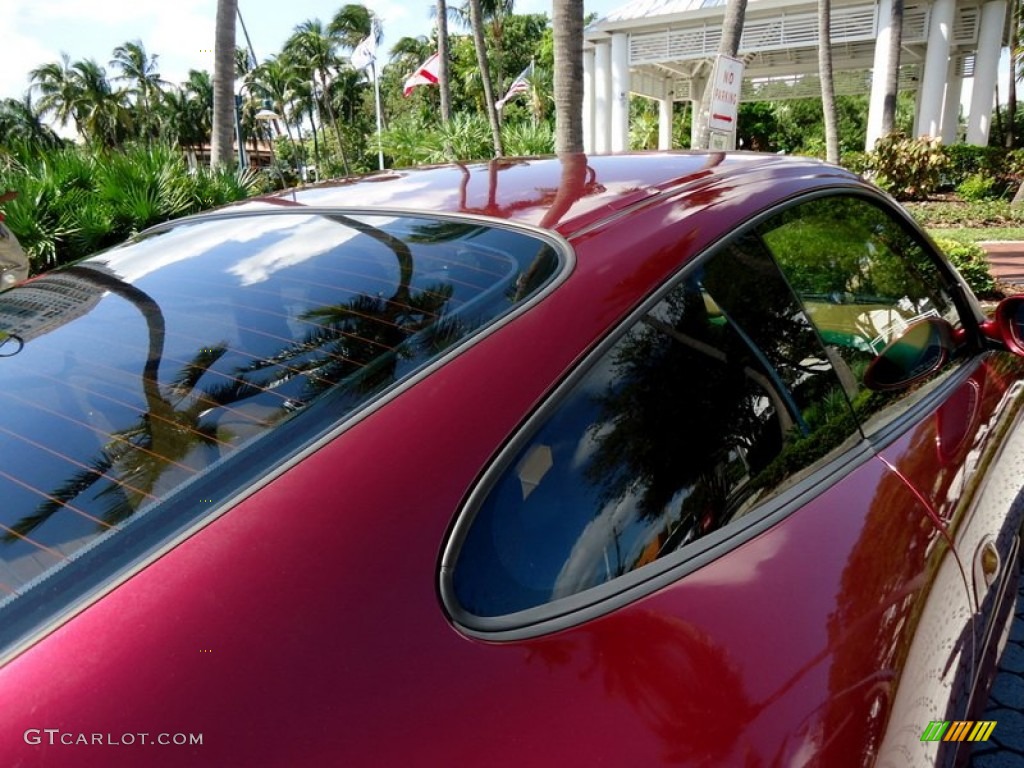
(727, 79)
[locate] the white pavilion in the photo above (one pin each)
(663, 50)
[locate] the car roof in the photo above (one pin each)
(566, 194)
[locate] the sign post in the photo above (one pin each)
(727, 79)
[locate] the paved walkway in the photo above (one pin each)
(1007, 261)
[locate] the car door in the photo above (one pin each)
(950, 432)
(709, 460)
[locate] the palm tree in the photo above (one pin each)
(351, 25)
(103, 114)
(828, 87)
(409, 52)
(140, 69)
(567, 24)
(221, 151)
(477, 21)
(313, 47)
(59, 91)
(187, 111)
(22, 121)
(305, 103)
(277, 80)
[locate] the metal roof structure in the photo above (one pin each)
(665, 48)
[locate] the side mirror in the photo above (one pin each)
(1007, 324)
(915, 355)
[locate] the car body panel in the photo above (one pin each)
(303, 624)
(268, 621)
(966, 458)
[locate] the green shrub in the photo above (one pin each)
(74, 201)
(526, 139)
(971, 262)
(966, 160)
(978, 186)
(909, 169)
(858, 162)
(975, 215)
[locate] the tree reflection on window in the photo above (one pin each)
(711, 404)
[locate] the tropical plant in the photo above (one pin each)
(351, 25)
(409, 141)
(187, 111)
(21, 122)
(311, 48)
(910, 169)
(140, 70)
(74, 201)
(527, 138)
(59, 91)
(978, 187)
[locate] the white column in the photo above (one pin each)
(620, 92)
(986, 62)
(876, 103)
(602, 97)
(665, 118)
(588, 100)
(951, 105)
(697, 84)
(936, 67)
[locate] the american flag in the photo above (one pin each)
(520, 85)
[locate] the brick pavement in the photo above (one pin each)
(1007, 261)
(1006, 704)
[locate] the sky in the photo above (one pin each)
(180, 32)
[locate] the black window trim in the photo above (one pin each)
(597, 601)
(41, 618)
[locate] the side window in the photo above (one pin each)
(715, 401)
(871, 289)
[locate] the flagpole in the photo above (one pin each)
(376, 93)
(533, 95)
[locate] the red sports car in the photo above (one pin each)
(662, 459)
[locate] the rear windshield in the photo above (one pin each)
(134, 381)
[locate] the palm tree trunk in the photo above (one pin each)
(1011, 91)
(892, 75)
(443, 70)
(334, 124)
(316, 141)
(567, 23)
(476, 20)
(828, 86)
(221, 144)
